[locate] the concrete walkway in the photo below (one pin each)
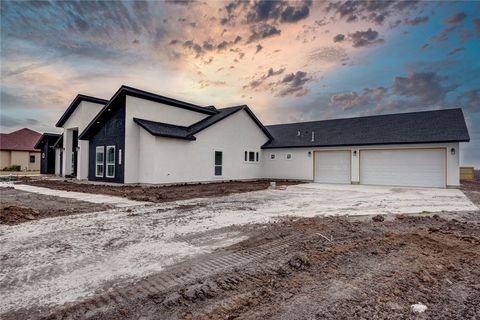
(88, 197)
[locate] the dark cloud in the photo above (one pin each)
(258, 48)
(426, 87)
(350, 100)
(262, 31)
(293, 14)
(210, 83)
(264, 10)
(270, 73)
(476, 25)
(293, 83)
(416, 21)
(374, 11)
(195, 47)
(339, 38)
(364, 38)
(456, 50)
(456, 18)
(471, 100)
(181, 2)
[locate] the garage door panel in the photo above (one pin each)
(413, 167)
(332, 166)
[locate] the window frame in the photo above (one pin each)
(248, 152)
(30, 158)
(97, 148)
(112, 163)
(215, 165)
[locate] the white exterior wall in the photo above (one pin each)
(167, 160)
(78, 120)
(57, 161)
(153, 111)
(301, 165)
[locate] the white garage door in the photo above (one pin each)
(332, 166)
(413, 167)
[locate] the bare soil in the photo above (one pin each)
(18, 206)
(337, 268)
(472, 191)
(160, 193)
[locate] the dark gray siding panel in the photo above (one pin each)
(112, 133)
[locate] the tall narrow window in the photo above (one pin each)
(110, 161)
(99, 161)
(218, 163)
(32, 159)
(251, 156)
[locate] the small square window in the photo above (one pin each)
(272, 156)
(32, 159)
(289, 156)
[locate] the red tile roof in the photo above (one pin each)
(20, 140)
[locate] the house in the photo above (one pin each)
(142, 137)
(18, 148)
(46, 146)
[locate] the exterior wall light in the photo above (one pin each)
(309, 153)
(452, 151)
(354, 153)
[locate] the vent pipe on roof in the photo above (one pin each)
(313, 136)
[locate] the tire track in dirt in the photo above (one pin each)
(174, 276)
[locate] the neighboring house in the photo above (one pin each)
(141, 137)
(17, 148)
(46, 146)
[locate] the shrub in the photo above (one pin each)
(13, 167)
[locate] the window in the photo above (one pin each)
(99, 161)
(32, 159)
(110, 162)
(289, 156)
(272, 156)
(218, 163)
(251, 156)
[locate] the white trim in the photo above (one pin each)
(119, 157)
(111, 163)
(102, 148)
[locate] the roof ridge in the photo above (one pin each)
(363, 117)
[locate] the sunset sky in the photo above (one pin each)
(289, 61)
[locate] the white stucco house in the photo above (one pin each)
(141, 137)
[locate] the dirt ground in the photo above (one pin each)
(472, 190)
(18, 206)
(159, 193)
(355, 267)
(336, 268)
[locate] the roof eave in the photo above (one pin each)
(360, 144)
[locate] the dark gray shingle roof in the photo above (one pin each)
(416, 127)
(180, 132)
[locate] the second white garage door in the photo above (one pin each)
(413, 167)
(332, 166)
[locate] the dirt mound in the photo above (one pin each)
(161, 193)
(13, 215)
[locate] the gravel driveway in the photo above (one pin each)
(57, 260)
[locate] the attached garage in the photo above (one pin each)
(407, 167)
(332, 166)
(416, 149)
